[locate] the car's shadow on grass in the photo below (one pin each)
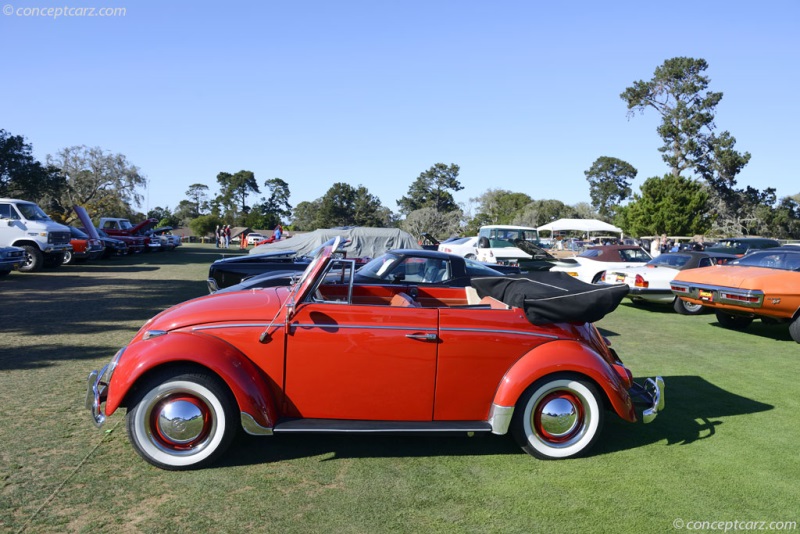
(694, 410)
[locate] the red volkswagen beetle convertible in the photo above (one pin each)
(325, 355)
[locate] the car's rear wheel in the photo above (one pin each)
(182, 419)
(686, 308)
(794, 329)
(558, 417)
(734, 322)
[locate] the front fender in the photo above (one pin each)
(240, 374)
(559, 357)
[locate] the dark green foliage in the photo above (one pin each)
(432, 189)
(234, 189)
(198, 195)
(498, 206)
(678, 93)
(342, 205)
(609, 183)
(21, 175)
(671, 205)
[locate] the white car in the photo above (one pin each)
(466, 247)
(651, 281)
(592, 262)
(253, 238)
(497, 243)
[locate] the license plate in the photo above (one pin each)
(620, 278)
(707, 296)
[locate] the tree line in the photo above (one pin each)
(698, 193)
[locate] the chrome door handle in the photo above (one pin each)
(423, 337)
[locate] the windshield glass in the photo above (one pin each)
(784, 260)
(675, 261)
(475, 268)
(379, 268)
(32, 212)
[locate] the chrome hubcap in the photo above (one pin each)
(559, 417)
(181, 421)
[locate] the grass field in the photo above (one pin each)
(725, 448)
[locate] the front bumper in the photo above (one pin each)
(97, 389)
(649, 396)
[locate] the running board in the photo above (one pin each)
(379, 427)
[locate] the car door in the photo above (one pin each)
(361, 362)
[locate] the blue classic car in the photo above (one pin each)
(10, 258)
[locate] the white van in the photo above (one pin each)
(23, 224)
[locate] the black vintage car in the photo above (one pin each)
(227, 272)
(409, 267)
(743, 245)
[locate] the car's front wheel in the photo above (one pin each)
(34, 259)
(686, 308)
(69, 257)
(558, 417)
(182, 419)
(734, 322)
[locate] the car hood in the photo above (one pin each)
(728, 276)
(88, 226)
(240, 306)
(144, 226)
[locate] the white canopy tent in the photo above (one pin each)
(587, 226)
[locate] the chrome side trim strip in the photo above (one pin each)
(252, 427)
(379, 327)
(500, 418)
(229, 325)
(498, 331)
(362, 327)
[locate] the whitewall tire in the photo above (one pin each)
(182, 420)
(558, 417)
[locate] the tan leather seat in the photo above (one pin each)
(403, 300)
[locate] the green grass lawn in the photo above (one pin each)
(725, 448)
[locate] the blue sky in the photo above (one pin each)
(524, 96)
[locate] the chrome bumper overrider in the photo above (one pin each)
(653, 394)
(96, 395)
(97, 389)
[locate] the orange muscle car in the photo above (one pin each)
(763, 284)
(325, 355)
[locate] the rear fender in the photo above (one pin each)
(241, 375)
(563, 356)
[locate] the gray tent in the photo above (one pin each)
(364, 241)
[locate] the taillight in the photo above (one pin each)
(741, 298)
(641, 282)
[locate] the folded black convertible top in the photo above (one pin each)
(549, 297)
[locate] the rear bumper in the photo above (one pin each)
(649, 396)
